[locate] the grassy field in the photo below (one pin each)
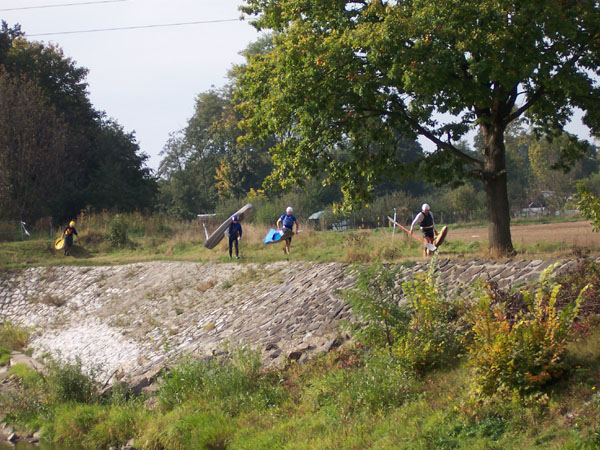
(149, 238)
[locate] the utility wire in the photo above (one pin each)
(160, 25)
(61, 5)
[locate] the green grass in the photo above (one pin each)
(4, 356)
(347, 399)
(365, 246)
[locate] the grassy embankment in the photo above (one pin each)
(443, 378)
(157, 238)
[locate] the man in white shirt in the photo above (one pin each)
(427, 225)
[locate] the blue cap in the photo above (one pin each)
(235, 218)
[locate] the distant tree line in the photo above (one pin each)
(58, 154)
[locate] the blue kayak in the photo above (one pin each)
(275, 236)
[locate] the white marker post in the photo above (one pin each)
(394, 224)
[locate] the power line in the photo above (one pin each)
(160, 25)
(61, 5)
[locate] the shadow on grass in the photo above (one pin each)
(78, 252)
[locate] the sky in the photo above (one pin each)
(145, 79)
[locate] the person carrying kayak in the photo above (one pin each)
(235, 234)
(286, 224)
(427, 225)
(68, 237)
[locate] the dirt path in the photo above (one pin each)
(571, 233)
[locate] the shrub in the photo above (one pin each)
(117, 231)
(4, 356)
(586, 273)
(519, 356)
(13, 337)
(24, 404)
(375, 299)
(73, 425)
(435, 333)
(67, 382)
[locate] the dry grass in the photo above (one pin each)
(206, 285)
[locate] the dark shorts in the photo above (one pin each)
(68, 240)
(428, 233)
(287, 234)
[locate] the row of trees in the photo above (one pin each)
(211, 162)
(57, 153)
(338, 93)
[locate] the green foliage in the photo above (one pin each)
(26, 404)
(27, 175)
(520, 355)
(436, 331)
(464, 202)
(589, 205)
(69, 383)
(190, 428)
(238, 379)
(550, 171)
(4, 356)
(375, 384)
(40, 393)
(117, 231)
(13, 337)
(424, 333)
(375, 299)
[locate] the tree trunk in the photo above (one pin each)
(495, 179)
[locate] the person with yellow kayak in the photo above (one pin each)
(68, 237)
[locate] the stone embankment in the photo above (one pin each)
(127, 321)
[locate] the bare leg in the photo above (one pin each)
(426, 251)
(288, 243)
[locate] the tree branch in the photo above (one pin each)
(541, 89)
(436, 140)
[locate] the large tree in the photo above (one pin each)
(345, 75)
(33, 148)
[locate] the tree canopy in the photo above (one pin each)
(345, 78)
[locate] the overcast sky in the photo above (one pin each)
(146, 79)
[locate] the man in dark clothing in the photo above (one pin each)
(68, 237)
(235, 234)
(427, 225)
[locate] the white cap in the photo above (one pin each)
(425, 207)
(289, 209)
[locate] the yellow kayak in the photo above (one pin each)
(59, 243)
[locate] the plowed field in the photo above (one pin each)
(572, 234)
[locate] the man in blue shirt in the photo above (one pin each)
(286, 224)
(235, 234)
